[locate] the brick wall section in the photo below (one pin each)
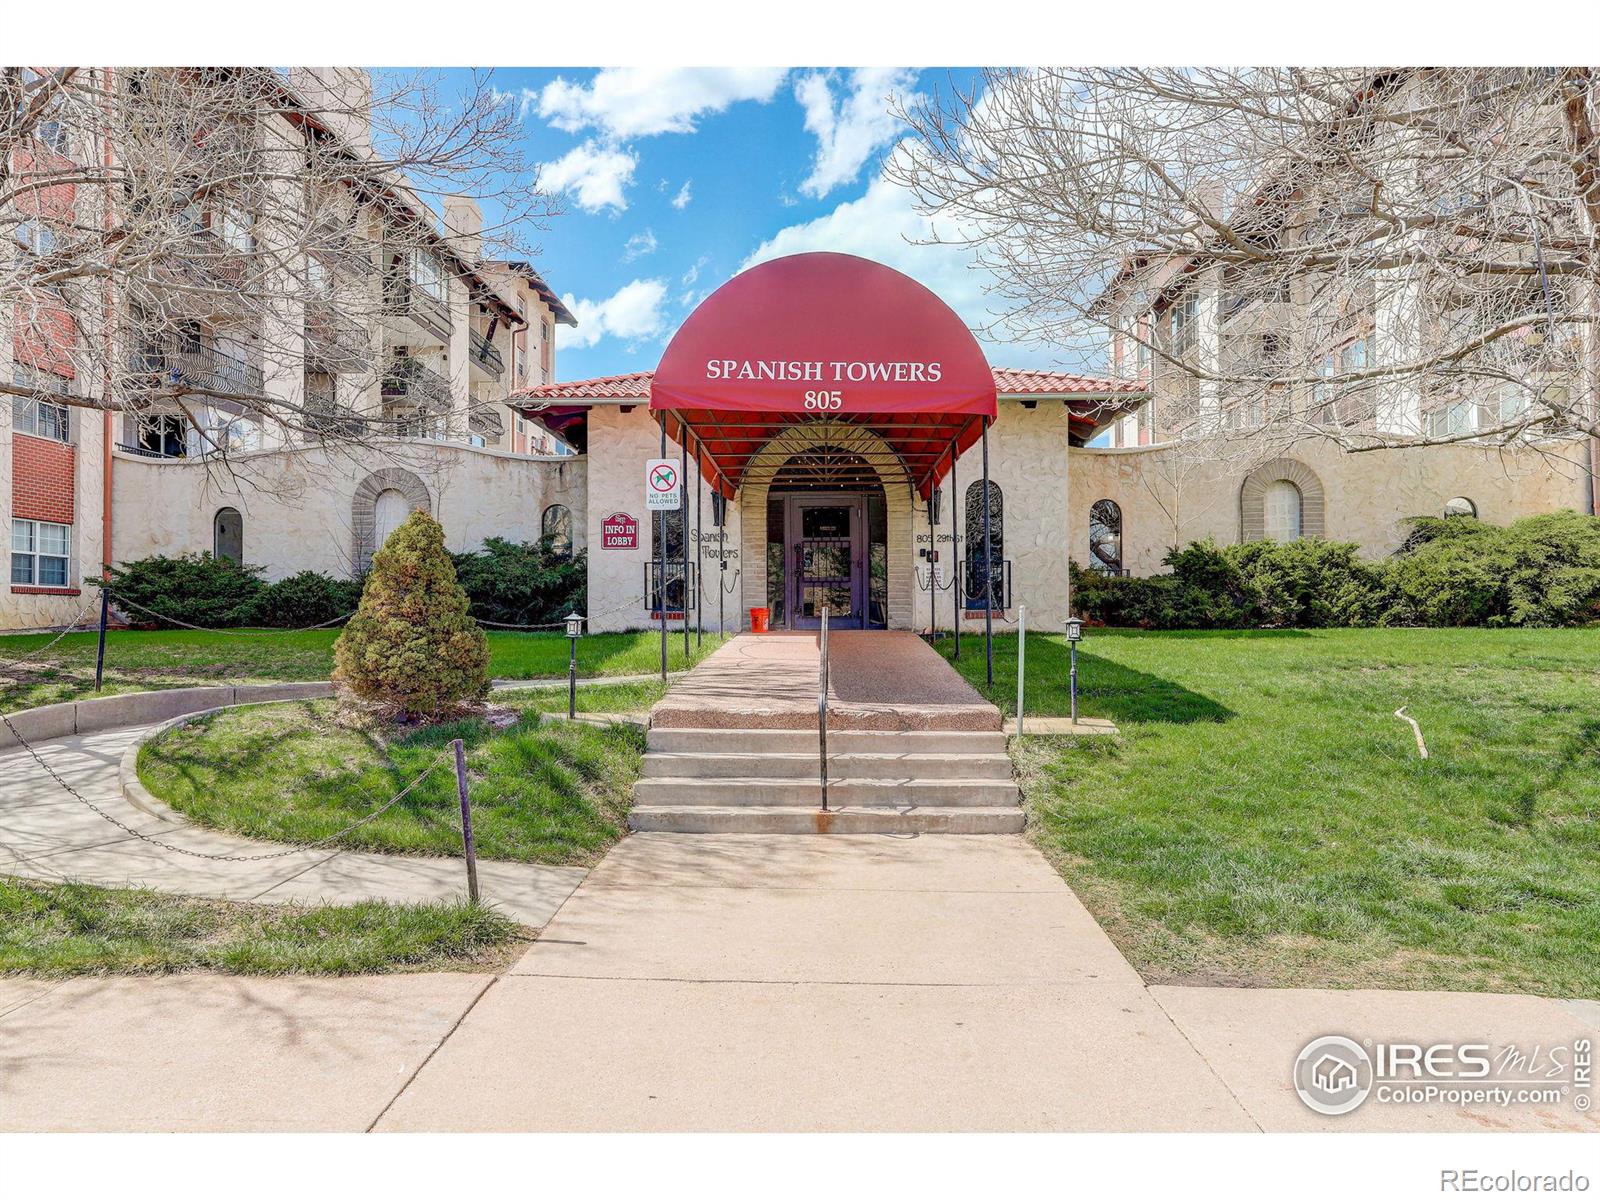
(42, 479)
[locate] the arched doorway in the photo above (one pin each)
(389, 512)
(827, 541)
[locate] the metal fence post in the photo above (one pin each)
(466, 820)
(100, 651)
(988, 564)
(822, 706)
(659, 558)
(1022, 649)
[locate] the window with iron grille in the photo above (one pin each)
(976, 592)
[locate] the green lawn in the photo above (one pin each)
(137, 660)
(1265, 819)
(62, 929)
(546, 792)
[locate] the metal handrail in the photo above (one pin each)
(822, 707)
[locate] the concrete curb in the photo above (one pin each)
(135, 793)
(141, 708)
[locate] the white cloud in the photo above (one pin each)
(851, 129)
(884, 225)
(595, 175)
(681, 200)
(639, 245)
(633, 313)
(625, 102)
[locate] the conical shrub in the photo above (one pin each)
(411, 648)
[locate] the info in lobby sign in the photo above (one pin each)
(663, 488)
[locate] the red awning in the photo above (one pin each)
(823, 338)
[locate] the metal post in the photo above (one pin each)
(988, 562)
(822, 706)
(933, 574)
(958, 584)
(659, 560)
(100, 651)
(722, 565)
(1074, 683)
(466, 821)
(699, 550)
(572, 678)
(1022, 650)
(683, 524)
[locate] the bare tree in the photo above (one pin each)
(1379, 257)
(239, 256)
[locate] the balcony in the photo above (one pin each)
(430, 315)
(334, 343)
(1259, 306)
(415, 397)
(177, 363)
(484, 356)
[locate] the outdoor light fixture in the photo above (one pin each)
(1074, 636)
(574, 632)
(934, 505)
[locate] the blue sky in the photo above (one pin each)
(674, 179)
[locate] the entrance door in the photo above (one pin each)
(826, 539)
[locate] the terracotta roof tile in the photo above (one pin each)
(1009, 381)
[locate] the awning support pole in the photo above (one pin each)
(699, 550)
(661, 565)
(683, 524)
(933, 574)
(957, 581)
(988, 564)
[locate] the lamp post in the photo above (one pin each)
(574, 631)
(1074, 636)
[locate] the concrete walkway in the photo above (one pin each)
(46, 834)
(742, 983)
(879, 680)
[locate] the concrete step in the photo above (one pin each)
(845, 765)
(844, 792)
(707, 818)
(804, 741)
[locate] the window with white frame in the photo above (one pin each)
(428, 274)
(36, 236)
(41, 554)
(40, 418)
(1453, 419)
(236, 229)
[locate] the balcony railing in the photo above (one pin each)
(334, 343)
(1238, 300)
(197, 368)
(409, 381)
(403, 298)
(484, 354)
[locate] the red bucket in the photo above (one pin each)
(759, 618)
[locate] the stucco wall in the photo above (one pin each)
(1168, 498)
(297, 504)
(619, 445)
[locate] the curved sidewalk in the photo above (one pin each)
(46, 834)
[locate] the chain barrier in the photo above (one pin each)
(145, 837)
(245, 629)
(631, 602)
(71, 627)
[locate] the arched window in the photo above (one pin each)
(1105, 537)
(557, 525)
(389, 512)
(1281, 511)
(227, 535)
(1460, 506)
(997, 545)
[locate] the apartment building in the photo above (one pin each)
(327, 313)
